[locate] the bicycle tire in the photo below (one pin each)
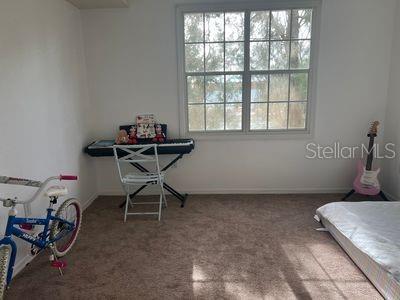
(4, 261)
(61, 250)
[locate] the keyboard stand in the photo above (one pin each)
(181, 197)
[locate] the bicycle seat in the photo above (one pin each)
(56, 191)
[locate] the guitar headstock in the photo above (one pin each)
(373, 129)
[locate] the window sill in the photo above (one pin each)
(244, 136)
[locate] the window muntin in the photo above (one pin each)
(247, 70)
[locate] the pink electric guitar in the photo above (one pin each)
(366, 182)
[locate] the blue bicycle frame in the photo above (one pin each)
(41, 241)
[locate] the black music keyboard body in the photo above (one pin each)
(171, 146)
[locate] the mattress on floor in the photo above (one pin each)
(370, 234)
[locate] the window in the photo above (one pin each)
(246, 70)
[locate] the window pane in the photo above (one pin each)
(215, 89)
(233, 88)
(259, 55)
(259, 25)
(277, 118)
(279, 87)
(280, 28)
(233, 116)
(297, 115)
(259, 113)
(300, 55)
(279, 55)
(301, 23)
(193, 27)
(215, 116)
(259, 88)
(234, 57)
(194, 57)
(214, 26)
(215, 57)
(195, 89)
(234, 26)
(298, 87)
(196, 117)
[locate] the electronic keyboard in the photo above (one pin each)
(170, 146)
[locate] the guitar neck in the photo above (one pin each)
(370, 153)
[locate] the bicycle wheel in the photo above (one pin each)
(4, 260)
(70, 211)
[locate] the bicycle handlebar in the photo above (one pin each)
(40, 185)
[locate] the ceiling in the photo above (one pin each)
(90, 4)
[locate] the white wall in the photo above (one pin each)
(391, 168)
(132, 68)
(44, 103)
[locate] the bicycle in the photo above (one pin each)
(59, 232)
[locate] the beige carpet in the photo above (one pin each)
(217, 247)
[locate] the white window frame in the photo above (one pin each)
(246, 133)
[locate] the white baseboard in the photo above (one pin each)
(221, 191)
(20, 265)
(268, 191)
(243, 191)
(89, 201)
(114, 193)
(339, 190)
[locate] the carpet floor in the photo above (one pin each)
(217, 247)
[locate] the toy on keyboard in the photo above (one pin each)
(132, 135)
(122, 137)
(160, 136)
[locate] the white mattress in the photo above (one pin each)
(370, 233)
